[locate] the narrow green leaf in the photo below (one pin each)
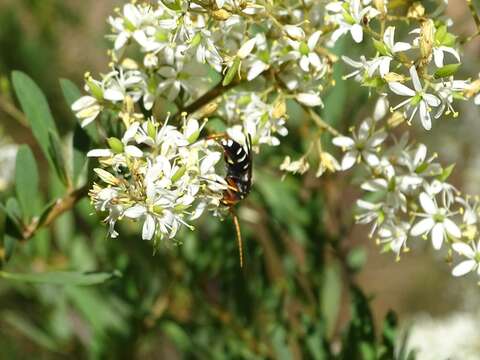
(81, 145)
(71, 93)
(56, 154)
(61, 277)
(35, 106)
(330, 297)
(232, 72)
(446, 71)
(26, 181)
(176, 334)
(28, 329)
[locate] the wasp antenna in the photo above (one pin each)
(239, 237)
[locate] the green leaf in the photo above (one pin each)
(446, 71)
(26, 181)
(56, 154)
(35, 106)
(28, 329)
(176, 334)
(357, 258)
(61, 277)
(446, 173)
(331, 296)
(232, 72)
(81, 145)
(71, 93)
(381, 48)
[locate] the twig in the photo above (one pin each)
(11, 110)
(320, 122)
(208, 97)
(62, 205)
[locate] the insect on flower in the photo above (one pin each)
(238, 178)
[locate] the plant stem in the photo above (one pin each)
(61, 205)
(12, 111)
(320, 122)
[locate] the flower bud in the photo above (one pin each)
(394, 77)
(427, 35)
(294, 32)
(115, 144)
(416, 10)
(221, 15)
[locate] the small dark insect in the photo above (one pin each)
(238, 178)
(239, 170)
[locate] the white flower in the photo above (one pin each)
(448, 91)
(391, 48)
(350, 20)
(86, 109)
(305, 52)
(418, 99)
(435, 220)
(363, 67)
(472, 253)
(394, 234)
(361, 146)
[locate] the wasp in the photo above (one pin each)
(238, 177)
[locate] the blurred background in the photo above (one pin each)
(302, 252)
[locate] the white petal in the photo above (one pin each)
(464, 267)
(135, 211)
(432, 100)
(209, 162)
(422, 227)
(401, 46)
(315, 60)
(427, 203)
(371, 158)
(388, 37)
(385, 65)
(246, 48)
(313, 40)
(343, 141)
(438, 233)
(452, 228)
(295, 32)
(133, 151)
(100, 153)
(113, 95)
(349, 160)
(83, 102)
(148, 229)
(256, 69)
(304, 63)
(357, 33)
(309, 99)
(425, 117)
(351, 62)
(131, 132)
(463, 249)
(416, 81)
(400, 89)
(451, 51)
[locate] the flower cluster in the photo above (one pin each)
(191, 61)
(158, 174)
(242, 63)
(407, 195)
